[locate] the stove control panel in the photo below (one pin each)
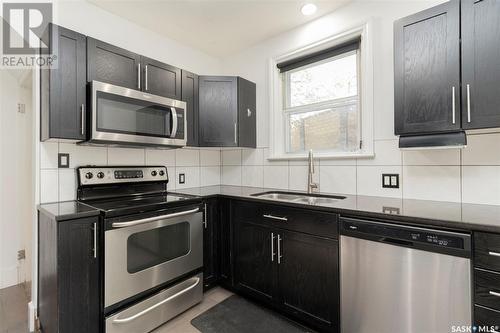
(94, 175)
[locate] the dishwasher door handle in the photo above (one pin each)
(395, 241)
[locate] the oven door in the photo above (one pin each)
(126, 116)
(145, 253)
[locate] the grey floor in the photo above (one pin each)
(182, 323)
(14, 309)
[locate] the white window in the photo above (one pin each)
(321, 106)
(319, 102)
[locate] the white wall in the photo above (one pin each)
(16, 184)
(470, 175)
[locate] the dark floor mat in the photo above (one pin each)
(237, 315)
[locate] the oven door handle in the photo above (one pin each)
(151, 308)
(154, 218)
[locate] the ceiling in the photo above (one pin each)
(219, 28)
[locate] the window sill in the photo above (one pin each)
(324, 156)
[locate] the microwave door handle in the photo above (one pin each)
(174, 122)
(154, 218)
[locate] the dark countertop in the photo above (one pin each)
(449, 215)
(68, 210)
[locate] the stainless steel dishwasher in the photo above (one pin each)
(396, 278)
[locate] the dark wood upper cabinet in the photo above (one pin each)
(246, 113)
(190, 96)
(226, 112)
(111, 64)
(161, 79)
(427, 71)
(68, 279)
(480, 64)
(309, 280)
(63, 86)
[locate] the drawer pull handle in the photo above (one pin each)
(151, 308)
(280, 218)
(495, 254)
(494, 293)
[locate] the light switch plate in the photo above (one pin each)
(63, 160)
(390, 180)
(182, 178)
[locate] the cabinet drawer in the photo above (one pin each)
(487, 251)
(487, 317)
(283, 217)
(487, 289)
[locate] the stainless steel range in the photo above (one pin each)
(153, 245)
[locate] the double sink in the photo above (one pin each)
(301, 198)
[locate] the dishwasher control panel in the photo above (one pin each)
(404, 235)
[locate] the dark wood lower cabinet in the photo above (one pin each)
(308, 275)
(255, 269)
(295, 273)
(210, 244)
(68, 276)
(225, 241)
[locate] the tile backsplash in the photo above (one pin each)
(201, 167)
(469, 175)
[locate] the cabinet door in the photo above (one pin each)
(190, 96)
(161, 79)
(64, 88)
(210, 260)
(246, 114)
(78, 267)
(255, 260)
(225, 242)
(111, 64)
(427, 71)
(308, 278)
(480, 64)
(218, 111)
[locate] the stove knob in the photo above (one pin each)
(153, 173)
(89, 175)
(100, 175)
(162, 172)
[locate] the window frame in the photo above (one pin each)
(278, 116)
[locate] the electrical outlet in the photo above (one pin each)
(390, 180)
(63, 160)
(182, 178)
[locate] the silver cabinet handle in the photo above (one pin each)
(154, 218)
(82, 109)
(146, 78)
(279, 249)
(205, 220)
(453, 104)
(235, 133)
(139, 76)
(495, 254)
(249, 113)
(494, 293)
(280, 218)
(95, 240)
(272, 246)
(468, 103)
(151, 308)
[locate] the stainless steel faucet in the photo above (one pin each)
(311, 186)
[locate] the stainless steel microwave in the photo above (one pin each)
(122, 116)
